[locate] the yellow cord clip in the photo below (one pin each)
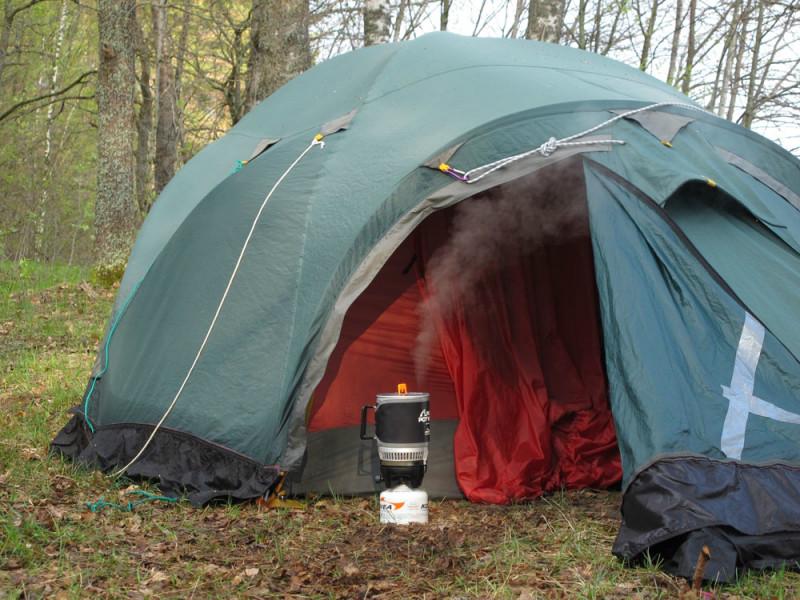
(444, 167)
(277, 498)
(666, 143)
(318, 137)
(711, 182)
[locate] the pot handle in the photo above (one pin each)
(364, 410)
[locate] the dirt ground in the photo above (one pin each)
(331, 548)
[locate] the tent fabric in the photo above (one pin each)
(762, 270)
(671, 340)
(523, 350)
(699, 348)
(761, 176)
(524, 356)
(748, 515)
(658, 171)
(684, 319)
(193, 462)
(338, 460)
(384, 80)
(664, 126)
(376, 351)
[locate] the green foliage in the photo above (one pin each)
(30, 276)
(47, 204)
(43, 208)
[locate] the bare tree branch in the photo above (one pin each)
(53, 95)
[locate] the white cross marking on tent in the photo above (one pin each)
(742, 402)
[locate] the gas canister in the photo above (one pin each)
(402, 505)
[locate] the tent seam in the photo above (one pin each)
(509, 66)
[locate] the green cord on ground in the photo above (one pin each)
(101, 504)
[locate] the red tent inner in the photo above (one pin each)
(491, 306)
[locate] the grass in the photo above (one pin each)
(51, 319)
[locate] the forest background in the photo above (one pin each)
(102, 102)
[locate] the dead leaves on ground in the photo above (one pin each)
(332, 549)
(31, 453)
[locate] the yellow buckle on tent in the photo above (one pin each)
(666, 143)
(277, 498)
(711, 182)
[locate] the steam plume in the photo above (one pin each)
(489, 231)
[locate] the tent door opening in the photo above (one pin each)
(491, 306)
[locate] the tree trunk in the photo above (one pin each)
(398, 22)
(48, 135)
(715, 89)
(750, 105)
(612, 34)
(180, 64)
(279, 46)
(377, 22)
(234, 97)
(545, 19)
(730, 51)
(582, 24)
(166, 156)
(5, 35)
(647, 34)
(144, 124)
(676, 40)
(183, 40)
(115, 209)
(597, 24)
(690, 49)
(741, 48)
(444, 15)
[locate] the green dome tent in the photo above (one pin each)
(578, 241)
